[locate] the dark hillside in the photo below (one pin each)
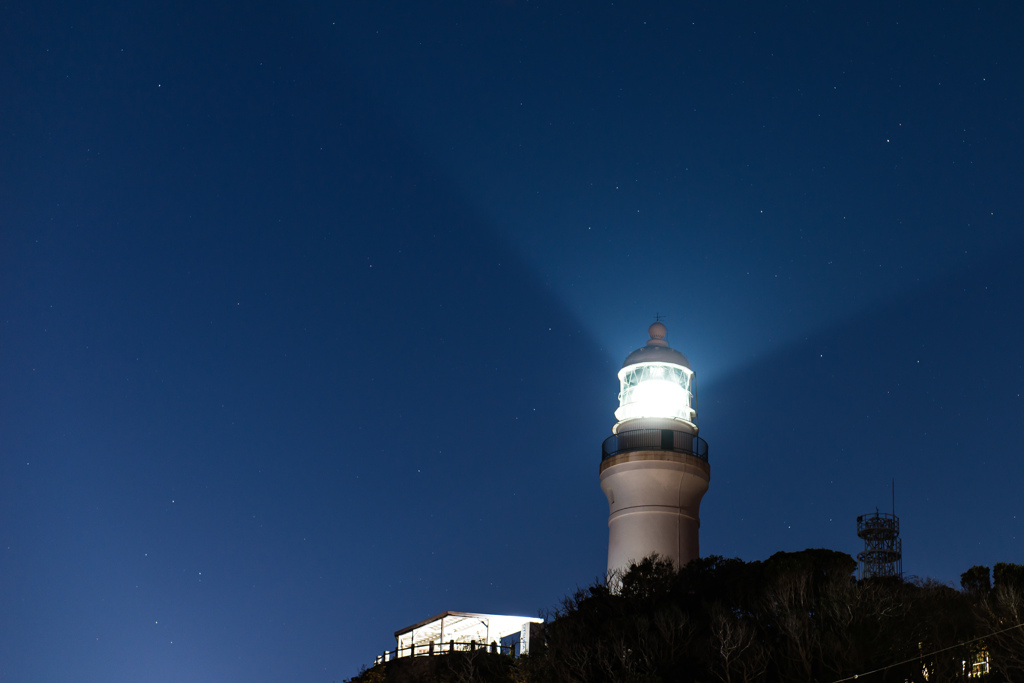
(795, 617)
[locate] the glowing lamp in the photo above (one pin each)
(656, 390)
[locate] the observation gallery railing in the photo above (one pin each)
(878, 524)
(654, 440)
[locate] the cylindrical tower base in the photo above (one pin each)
(654, 506)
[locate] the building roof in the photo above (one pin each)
(464, 626)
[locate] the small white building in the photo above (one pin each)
(463, 632)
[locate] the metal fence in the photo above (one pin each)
(431, 649)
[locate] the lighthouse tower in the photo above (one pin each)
(654, 467)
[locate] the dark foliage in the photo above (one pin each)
(1000, 612)
(795, 617)
(977, 581)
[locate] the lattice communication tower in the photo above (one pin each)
(883, 549)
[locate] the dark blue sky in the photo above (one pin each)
(310, 315)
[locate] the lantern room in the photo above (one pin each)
(656, 382)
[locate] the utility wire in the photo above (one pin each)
(920, 657)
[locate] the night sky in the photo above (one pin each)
(311, 313)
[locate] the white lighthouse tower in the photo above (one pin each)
(654, 467)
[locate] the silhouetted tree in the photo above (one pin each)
(976, 581)
(1005, 618)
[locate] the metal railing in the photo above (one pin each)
(431, 649)
(654, 440)
(878, 524)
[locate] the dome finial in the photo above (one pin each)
(657, 332)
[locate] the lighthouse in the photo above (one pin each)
(654, 467)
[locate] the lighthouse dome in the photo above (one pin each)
(656, 350)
